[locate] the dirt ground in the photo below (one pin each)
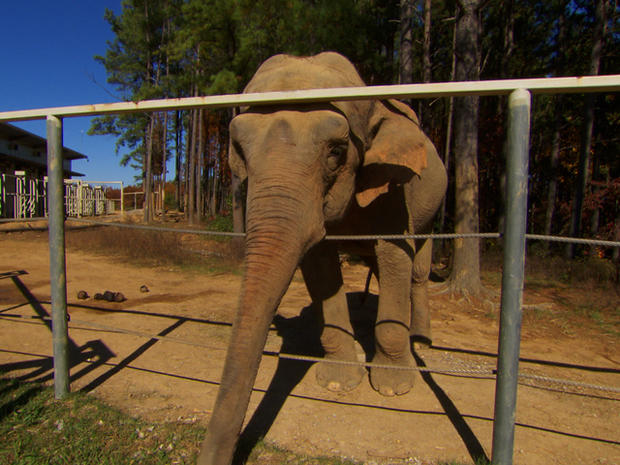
(175, 378)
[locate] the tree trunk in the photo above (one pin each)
(238, 210)
(588, 124)
(596, 213)
(508, 16)
(199, 165)
(582, 174)
(148, 181)
(191, 188)
(148, 177)
(188, 162)
(214, 190)
(553, 168)
(164, 157)
(178, 134)
(425, 115)
(466, 266)
(238, 216)
(426, 73)
(615, 255)
(222, 196)
(406, 41)
(557, 139)
(448, 147)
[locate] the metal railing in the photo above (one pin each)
(519, 92)
(442, 89)
(89, 198)
(23, 196)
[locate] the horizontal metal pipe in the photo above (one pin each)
(610, 83)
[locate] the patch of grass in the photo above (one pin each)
(265, 453)
(549, 269)
(590, 272)
(36, 429)
(606, 317)
(581, 291)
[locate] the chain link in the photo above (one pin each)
(487, 373)
(368, 237)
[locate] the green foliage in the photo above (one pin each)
(180, 48)
(38, 429)
(221, 223)
(224, 82)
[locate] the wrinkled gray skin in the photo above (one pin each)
(342, 168)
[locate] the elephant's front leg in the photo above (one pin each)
(323, 276)
(420, 311)
(394, 260)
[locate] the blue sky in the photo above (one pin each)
(47, 61)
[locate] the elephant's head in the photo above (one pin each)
(305, 165)
(308, 163)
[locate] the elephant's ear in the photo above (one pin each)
(395, 150)
(236, 162)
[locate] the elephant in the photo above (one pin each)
(337, 168)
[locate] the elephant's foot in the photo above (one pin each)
(338, 377)
(392, 381)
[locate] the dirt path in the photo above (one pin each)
(444, 417)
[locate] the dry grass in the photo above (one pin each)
(575, 294)
(157, 248)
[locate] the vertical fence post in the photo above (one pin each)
(122, 200)
(512, 277)
(58, 276)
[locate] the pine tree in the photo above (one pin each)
(466, 266)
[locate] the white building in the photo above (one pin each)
(23, 172)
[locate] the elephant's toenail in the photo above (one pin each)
(334, 386)
(387, 391)
(403, 388)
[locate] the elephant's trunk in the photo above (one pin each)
(275, 245)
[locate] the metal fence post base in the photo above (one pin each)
(519, 105)
(58, 275)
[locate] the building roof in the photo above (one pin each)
(14, 135)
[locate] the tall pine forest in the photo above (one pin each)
(183, 48)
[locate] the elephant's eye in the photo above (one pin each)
(336, 156)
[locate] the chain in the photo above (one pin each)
(369, 237)
(568, 382)
(455, 371)
(487, 373)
